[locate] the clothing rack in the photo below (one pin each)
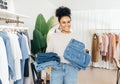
(107, 29)
(17, 21)
(11, 17)
(93, 31)
(13, 28)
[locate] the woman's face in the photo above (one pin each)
(65, 24)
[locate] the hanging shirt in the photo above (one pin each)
(4, 74)
(28, 37)
(28, 49)
(16, 53)
(26, 68)
(9, 55)
(95, 47)
(25, 55)
(117, 49)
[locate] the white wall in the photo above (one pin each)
(32, 8)
(47, 7)
(88, 4)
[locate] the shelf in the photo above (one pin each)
(9, 14)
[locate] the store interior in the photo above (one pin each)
(88, 18)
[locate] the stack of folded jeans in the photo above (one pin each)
(76, 55)
(44, 60)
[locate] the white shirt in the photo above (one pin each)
(4, 74)
(17, 55)
(58, 42)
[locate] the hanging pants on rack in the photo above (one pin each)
(0, 82)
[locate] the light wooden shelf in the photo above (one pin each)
(11, 17)
(9, 14)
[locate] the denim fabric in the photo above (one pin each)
(76, 55)
(79, 66)
(42, 66)
(9, 55)
(26, 68)
(22, 70)
(26, 33)
(63, 74)
(0, 82)
(25, 56)
(45, 57)
(23, 47)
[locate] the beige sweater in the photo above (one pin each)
(58, 42)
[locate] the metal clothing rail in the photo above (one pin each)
(92, 31)
(11, 17)
(13, 28)
(107, 29)
(11, 20)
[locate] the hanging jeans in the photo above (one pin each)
(63, 74)
(0, 82)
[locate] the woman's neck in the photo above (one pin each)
(66, 32)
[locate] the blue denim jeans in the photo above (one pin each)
(64, 74)
(76, 55)
(0, 82)
(42, 66)
(45, 57)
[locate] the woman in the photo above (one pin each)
(64, 73)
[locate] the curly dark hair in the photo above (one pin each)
(63, 11)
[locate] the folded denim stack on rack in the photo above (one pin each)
(76, 55)
(44, 60)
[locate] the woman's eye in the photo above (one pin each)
(63, 22)
(69, 22)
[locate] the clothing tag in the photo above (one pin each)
(94, 37)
